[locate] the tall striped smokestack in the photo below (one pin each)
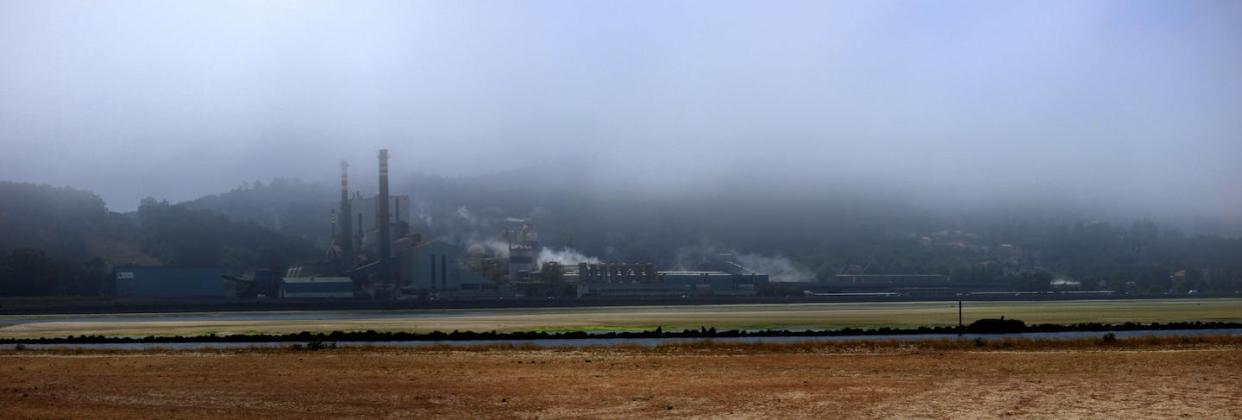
(381, 218)
(346, 213)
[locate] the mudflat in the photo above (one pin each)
(1140, 378)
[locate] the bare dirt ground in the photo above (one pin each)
(902, 380)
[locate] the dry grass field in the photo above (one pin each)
(1141, 378)
(780, 316)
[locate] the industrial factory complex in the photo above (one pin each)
(374, 254)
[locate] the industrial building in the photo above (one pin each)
(523, 249)
(365, 209)
(891, 284)
(436, 267)
(170, 282)
(316, 287)
(715, 283)
(639, 280)
(375, 255)
(364, 232)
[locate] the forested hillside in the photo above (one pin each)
(185, 237)
(291, 206)
(48, 237)
(62, 241)
(56, 220)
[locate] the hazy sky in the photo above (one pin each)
(1136, 103)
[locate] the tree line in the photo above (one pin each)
(63, 241)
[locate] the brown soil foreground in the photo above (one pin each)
(1126, 379)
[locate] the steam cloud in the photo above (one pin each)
(565, 256)
(494, 247)
(777, 267)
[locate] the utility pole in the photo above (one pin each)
(960, 329)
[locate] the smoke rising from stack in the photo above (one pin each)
(565, 257)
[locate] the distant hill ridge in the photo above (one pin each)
(816, 235)
(823, 232)
(52, 238)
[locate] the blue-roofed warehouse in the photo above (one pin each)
(170, 282)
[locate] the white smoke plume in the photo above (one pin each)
(717, 257)
(778, 268)
(478, 233)
(464, 213)
(693, 257)
(565, 256)
(493, 247)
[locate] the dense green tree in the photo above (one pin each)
(181, 236)
(27, 272)
(51, 240)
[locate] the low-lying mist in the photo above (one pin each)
(710, 114)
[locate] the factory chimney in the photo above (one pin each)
(346, 219)
(381, 218)
(358, 238)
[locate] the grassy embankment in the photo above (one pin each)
(601, 319)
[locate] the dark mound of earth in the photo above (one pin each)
(996, 326)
